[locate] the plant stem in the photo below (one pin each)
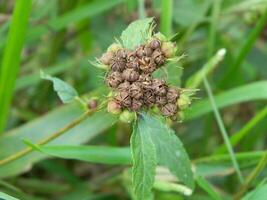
(141, 9)
(48, 139)
(166, 17)
(223, 130)
(252, 176)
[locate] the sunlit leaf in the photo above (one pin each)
(7, 197)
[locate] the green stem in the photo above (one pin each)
(141, 9)
(11, 58)
(48, 139)
(166, 17)
(223, 130)
(252, 176)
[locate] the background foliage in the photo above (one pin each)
(59, 37)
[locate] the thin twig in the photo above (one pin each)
(48, 139)
(252, 176)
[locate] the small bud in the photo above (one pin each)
(92, 104)
(140, 51)
(169, 109)
(106, 58)
(154, 44)
(127, 116)
(118, 65)
(184, 101)
(114, 48)
(168, 49)
(130, 75)
(114, 107)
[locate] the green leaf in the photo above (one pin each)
(205, 185)
(43, 127)
(144, 160)
(94, 154)
(65, 92)
(240, 94)
(170, 150)
(136, 33)
(11, 57)
(259, 193)
(7, 197)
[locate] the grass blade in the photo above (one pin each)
(11, 57)
(237, 137)
(223, 130)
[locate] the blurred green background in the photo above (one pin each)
(61, 36)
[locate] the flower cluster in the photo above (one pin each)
(130, 77)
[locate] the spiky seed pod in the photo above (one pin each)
(136, 104)
(114, 79)
(148, 51)
(172, 95)
(169, 109)
(168, 49)
(118, 65)
(155, 44)
(124, 98)
(145, 78)
(140, 51)
(148, 68)
(136, 90)
(114, 107)
(106, 58)
(124, 86)
(159, 87)
(121, 54)
(130, 75)
(149, 98)
(158, 57)
(134, 63)
(161, 100)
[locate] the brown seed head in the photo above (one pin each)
(124, 98)
(169, 109)
(130, 75)
(114, 79)
(121, 54)
(172, 94)
(124, 86)
(159, 87)
(136, 90)
(149, 98)
(136, 104)
(118, 65)
(161, 100)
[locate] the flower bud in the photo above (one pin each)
(127, 116)
(106, 58)
(114, 107)
(114, 48)
(92, 104)
(184, 101)
(168, 49)
(155, 44)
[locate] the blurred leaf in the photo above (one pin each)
(136, 33)
(237, 95)
(259, 193)
(11, 57)
(172, 187)
(205, 185)
(144, 160)
(94, 154)
(65, 92)
(187, 12)
(170, 150)
(7, 197)
(43, 127)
